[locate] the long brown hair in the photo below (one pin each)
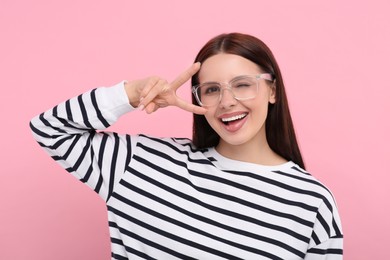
(279, 126)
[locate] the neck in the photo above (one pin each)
(252, 152)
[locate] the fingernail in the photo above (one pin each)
(141, 107)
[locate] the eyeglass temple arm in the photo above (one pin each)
(267, 76)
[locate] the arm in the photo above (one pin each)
(327, 238)
(68, 132)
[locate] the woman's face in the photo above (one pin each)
(237, 122)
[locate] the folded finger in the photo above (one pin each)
(151, 107)
(152, 92)
(149, 85)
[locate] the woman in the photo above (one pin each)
(237, 191)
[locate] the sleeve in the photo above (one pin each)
(68, 132)
(327, 238)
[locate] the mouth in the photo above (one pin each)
(233, 119)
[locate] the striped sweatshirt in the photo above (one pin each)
(166, 199)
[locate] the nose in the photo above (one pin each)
(227, 98)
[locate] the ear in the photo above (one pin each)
(272, 95)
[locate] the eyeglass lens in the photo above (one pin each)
(242, 88)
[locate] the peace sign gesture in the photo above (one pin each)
(152, 93)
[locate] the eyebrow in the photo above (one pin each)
(237, 77)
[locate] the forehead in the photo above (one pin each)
(224, 67)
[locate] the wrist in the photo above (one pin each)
(132, 93)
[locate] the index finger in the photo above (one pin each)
(185, 75)
(190, 107)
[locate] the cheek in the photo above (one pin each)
(266, 97)
(259, 109)
(210, 117)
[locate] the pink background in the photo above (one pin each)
(334, 56)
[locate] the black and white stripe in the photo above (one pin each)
(168, 200)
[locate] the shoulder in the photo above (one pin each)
(168, 145)
(306, 183)
(164, 141)
(169, 151)
(319, 196)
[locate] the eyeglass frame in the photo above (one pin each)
(266, 76)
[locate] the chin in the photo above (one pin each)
(233, 141)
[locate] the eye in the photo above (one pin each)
(242, 84)
(210, 89)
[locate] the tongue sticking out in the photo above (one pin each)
(234, 124)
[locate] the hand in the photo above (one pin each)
(155, 93)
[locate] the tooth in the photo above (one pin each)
(233, 118)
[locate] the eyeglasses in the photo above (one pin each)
(242, 88)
